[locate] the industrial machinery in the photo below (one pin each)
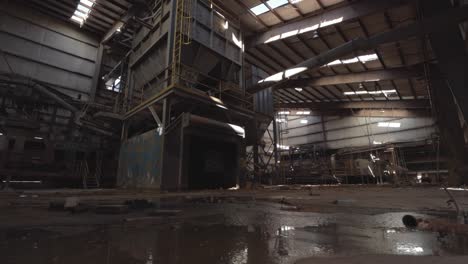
(184, 72)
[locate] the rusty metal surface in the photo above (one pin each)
(140, 162)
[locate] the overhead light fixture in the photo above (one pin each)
(283, 113)
(38, 138)
(298, 89)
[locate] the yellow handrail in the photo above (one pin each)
(182, 36)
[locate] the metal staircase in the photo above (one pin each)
(89, 179)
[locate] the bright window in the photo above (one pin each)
(114, 85)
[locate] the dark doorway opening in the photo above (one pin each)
(212, 164)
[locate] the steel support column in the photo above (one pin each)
(97, 73)
(450, 50)
(451, 132)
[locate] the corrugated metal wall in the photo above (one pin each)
(343, 132)
(149, 58)
(46, 49)
(211, 29)
(140, 162)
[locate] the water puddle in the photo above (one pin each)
(231, 233)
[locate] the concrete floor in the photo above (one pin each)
(267, 225)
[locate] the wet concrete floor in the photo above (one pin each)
(235, 233)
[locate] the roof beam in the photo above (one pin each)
(399, 104)
(431, 25)
(132, 10)
(391, 113)
(328, 18)
(361, 77)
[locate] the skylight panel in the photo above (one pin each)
(384, 92)
(88, 3)
(276, 3)
(363, 59)
(78, 20)
(260, 9)
(82, 11)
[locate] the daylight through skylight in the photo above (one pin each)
(263, 8)
(82, 11)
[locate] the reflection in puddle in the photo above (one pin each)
(408, 248)
(228, 234)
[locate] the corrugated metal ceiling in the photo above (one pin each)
(280, 55)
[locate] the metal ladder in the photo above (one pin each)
(182, 36)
